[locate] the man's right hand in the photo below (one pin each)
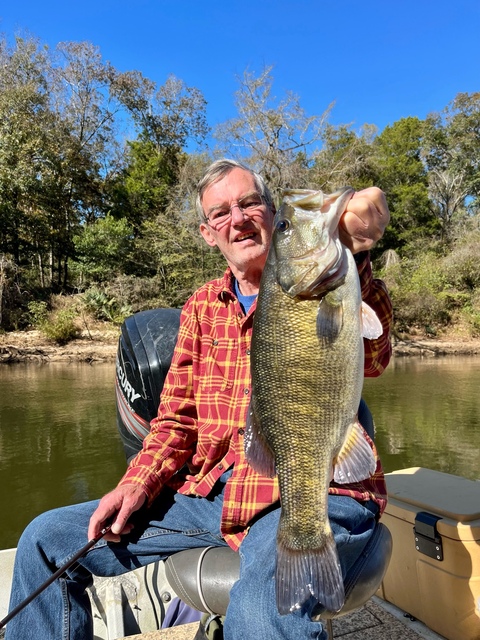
(117, 507)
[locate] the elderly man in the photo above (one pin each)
(191, 486)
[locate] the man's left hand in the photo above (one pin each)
(365, 220)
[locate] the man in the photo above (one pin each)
(158, 508)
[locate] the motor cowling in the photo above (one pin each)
(144, 354)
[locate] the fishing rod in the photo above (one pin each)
(54, 576)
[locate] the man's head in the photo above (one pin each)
(237, 217)
(216, 171)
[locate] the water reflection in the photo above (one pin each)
(427, 413)
(59, 443)
(58, 439)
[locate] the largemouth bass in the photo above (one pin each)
(307, 360)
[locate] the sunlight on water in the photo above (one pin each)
(59, 442)
(427, 414)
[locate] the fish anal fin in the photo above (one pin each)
(329, 319)
(257, 451)
(371, 326)
(302, 573)
(355, 460)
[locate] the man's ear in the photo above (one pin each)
(207, 235)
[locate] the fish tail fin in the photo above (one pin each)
(355, 460)
(257, 451)
(302, 573)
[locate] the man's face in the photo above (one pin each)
(243, 237)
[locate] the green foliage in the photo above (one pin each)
(83, 209)
(58, 324)
(61, 326)
(416, 288)
(102, 249)
(37, 313)
(401, 173)
(345, 159)
(104, 306)
(433, 288)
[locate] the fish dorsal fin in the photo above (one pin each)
(329, 318)
(257, 451)
(371, 325)
(355, 460)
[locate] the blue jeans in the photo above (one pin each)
(174, 522)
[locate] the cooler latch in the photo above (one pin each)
(427, 539)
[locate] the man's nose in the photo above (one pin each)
(238, 214)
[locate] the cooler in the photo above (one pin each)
(434, 572)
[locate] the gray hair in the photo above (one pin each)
(218, 170)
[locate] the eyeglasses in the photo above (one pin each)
(248, 206)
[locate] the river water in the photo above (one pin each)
(59, 442)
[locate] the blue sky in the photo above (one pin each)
(379, 61)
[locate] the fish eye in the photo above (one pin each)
(282, 225)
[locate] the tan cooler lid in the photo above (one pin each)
(440, 493)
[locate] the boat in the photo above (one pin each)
(432, 585)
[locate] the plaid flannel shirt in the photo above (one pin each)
(199, 431)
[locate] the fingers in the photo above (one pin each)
(116, 507)
(365, 220)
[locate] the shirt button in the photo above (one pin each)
(215, 342)
(241, 432)
(246, 391)
(220, 466)
(247, 352)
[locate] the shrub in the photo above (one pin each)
(60, 326)
(104, 306)
(37, 313)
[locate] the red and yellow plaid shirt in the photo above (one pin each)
(204, 403)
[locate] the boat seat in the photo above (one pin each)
(203, 577)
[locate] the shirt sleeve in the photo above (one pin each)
(374, 292)
(172, 436)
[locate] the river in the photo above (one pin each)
(59, 442)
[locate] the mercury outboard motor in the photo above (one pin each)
(145, 349)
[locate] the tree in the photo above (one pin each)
(345, 158)
(452, 155)
(401, 173)
(275, 137)
(103, 250)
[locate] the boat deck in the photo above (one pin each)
(377, 620)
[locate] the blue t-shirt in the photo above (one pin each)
(245, 301)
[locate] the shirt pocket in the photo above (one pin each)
(218, 364)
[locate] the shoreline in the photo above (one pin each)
(32, 346)
(101, 346)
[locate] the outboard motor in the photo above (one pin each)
(145, 349)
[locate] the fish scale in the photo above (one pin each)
(307, 375)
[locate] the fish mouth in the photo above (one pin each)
(331, 275)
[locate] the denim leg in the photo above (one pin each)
(62, 611)
(252, 612)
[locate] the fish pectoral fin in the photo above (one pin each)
(257, 451)
(371, 326)
(305, 572)
(355, 460)
(329, 319)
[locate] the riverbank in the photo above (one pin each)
(100, 345)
